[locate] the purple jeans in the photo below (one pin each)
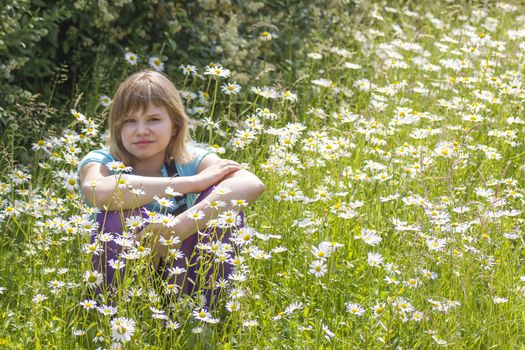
(193, 260)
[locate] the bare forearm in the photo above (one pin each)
(116, 191)
(243, 185)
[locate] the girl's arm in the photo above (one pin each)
(112, 192)
(243, 185)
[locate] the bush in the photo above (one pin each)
(55, 51)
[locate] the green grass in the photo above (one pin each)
(343, 193)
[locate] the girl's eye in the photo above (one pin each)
(154, 119)
(127, 121)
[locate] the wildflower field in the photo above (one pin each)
(392, 216)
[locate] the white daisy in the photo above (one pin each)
(131, 58)
(105, 100)
(355, 309)
(122, 329)
(156, 64)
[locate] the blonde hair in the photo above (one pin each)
(136, 93)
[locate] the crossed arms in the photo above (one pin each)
(99, 188)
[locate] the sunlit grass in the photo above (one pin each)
(392, 215)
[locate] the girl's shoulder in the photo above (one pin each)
(99, 156)
(198, 152)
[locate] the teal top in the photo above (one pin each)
(187, 169)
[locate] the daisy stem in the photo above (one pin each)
(208, 86)
(214, 99)
(229, 106)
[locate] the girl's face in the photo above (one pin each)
(147, 133)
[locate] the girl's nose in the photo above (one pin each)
(142, 128)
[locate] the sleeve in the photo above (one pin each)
(190, 168)
(98, 156)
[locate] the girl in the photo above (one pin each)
(149, 157)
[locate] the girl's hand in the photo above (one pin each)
(215, 172)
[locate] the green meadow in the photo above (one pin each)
(391, 150)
